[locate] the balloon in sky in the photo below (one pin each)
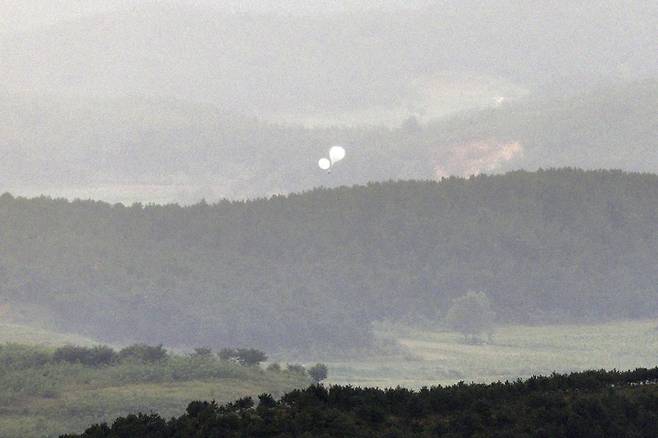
(336, 153)
(324, 164)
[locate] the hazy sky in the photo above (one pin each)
(79, 78)
(18, 15)
(366, 66)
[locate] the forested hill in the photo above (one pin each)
(316, 268)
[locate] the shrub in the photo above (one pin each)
(144, 353)
(102, 355)
(318, 372)
(94, 356)
(21, 357)
(228, 354)
(251, 356)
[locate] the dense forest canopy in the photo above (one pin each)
(590, 404)
(316, 268)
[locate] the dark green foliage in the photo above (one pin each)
(17, 357)
(141, 425)
(90, 356)
(266, 401)
(318, 372)
(250, 356)
(38, 372)
(587, 404)
(143, 353)
(317, 268)
(227, 353)
(237, 406)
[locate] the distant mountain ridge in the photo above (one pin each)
(164, 150)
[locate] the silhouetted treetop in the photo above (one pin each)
(587, 404)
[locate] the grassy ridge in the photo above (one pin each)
(47, 399)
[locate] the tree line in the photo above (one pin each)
(15, 357)
(585, 404)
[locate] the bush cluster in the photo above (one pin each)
(94, 356)
(20, 357)
(13, 356)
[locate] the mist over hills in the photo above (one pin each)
(129, 100)
(613, 126)
(271, 65)
(160, 186)
(164, 150)
(313, 270)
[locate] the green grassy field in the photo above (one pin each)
(47, 398)
(56, 399)
(79, 406)
(436, 357)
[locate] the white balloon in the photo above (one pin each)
(336, 153)
(324, 164)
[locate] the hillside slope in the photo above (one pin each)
(586, 130)
(43, 397)
(316, 268)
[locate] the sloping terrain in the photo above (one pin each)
(316, 268)
(41, 397)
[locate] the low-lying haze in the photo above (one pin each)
(120, 86)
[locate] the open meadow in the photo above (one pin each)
(43, 396)
(440, 357)
(77, 405)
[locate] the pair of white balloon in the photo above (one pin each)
(336, 153)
